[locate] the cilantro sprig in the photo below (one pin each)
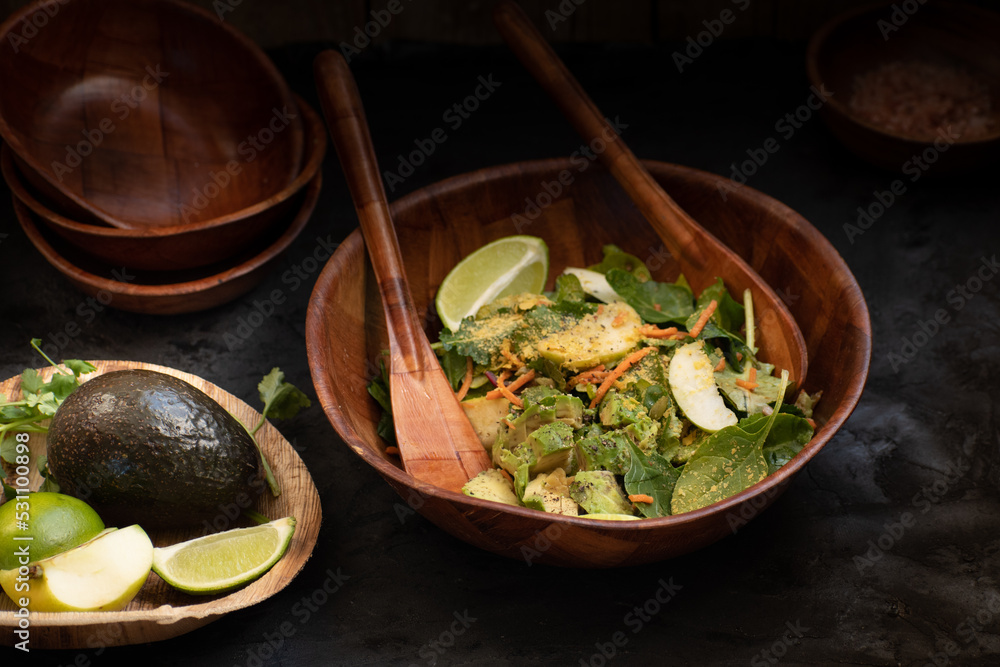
(39, 401)
(282, 400)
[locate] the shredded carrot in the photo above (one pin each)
(721, 366)
(680, 335)
(507, 475)
(703, 318)
(620, 369)
(812, 422)
(509, 395)
(505, 392)
(392, 450)
(641, 498)
(739, 356)
(510, 356)
(657, 307)
(749, 386)
(619, 319)
(653, 331)
(466, 381)
(752, 375)
(513, 386)
(600, 309)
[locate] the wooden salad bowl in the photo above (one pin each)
(158, 611)
(438, 225)
(145, 113)
(953, 34)
(118, 285)
(186, 246)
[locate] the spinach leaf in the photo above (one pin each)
(726, 462)
(729, 314)
(654, 301)
(652, 475)
(787, 438)
(616, 258)
(455, 366)
(749, 402)
(568, 288)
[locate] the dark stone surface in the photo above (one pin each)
(922, 445)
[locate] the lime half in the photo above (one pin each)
(44, 524)
(224, 561)
(511, 265)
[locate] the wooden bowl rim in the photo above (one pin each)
(165, 616)
(315, 144)
(772, 483)
(11, 137)
(115, 287)
(818, 41)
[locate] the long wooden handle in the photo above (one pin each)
(345, 118)
(542, 62)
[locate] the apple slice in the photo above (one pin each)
(103, 574)
(692, 381)
(594, 284)
(598, 338)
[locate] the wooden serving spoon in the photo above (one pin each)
(436, 440)
(702, 256)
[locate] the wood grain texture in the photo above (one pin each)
(440, 224)
(949, 33)
(158, 611)
(702, 257)
(436, 441)
(186, 246)
(170, 292)
(128, 111)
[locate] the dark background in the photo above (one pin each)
(923, 440)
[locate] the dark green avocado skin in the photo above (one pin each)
(144, 447)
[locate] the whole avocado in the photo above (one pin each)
(145, 447)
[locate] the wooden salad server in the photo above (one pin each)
(436, 441)
(702, 257)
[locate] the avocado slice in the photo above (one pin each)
(491, 485)
(486, 416)
(550, 493)
(598, 492)
(144, 447)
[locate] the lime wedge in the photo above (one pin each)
(511, 265)
(224, 561)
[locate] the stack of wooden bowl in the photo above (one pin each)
(157, 157)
